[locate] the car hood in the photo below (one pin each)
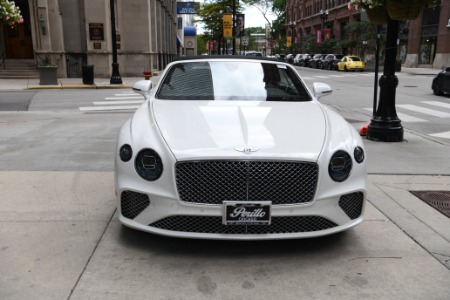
(245, 129)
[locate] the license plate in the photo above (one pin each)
(246, 213)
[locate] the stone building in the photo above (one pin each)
(73, 33)
(424, 42)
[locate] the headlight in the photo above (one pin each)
(340, 166)
(148, 164)
(359, 154)
(125, 152)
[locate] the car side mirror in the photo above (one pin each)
(143, 88)
(321, 89)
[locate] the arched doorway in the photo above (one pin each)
(18, 42)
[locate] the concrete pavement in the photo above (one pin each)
(60, 238)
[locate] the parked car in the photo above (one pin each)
(304, 60)
(441, 83)
(253, 53)
(297, 59)
(316, 61)
(351, 63)
(289, 58)
(212, 153)
(330, 61)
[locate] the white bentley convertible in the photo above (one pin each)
(238, 148)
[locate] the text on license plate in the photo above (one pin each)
(247, 213)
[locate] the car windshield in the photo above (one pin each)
(354, 58)
(232, 80)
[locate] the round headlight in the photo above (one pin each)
(340, 166)
(359, 154)
(148, 164)
(125, 152)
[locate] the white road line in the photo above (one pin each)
(118, 102)
(107, 108)
(307, 78)
(321, 77)
(123, 98)
(437, 103)
(124, 94)
(336, 76)
(445, 135)
(425, 110)
(404, 117)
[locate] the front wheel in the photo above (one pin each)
(345, 69)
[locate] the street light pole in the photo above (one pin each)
(292, 24)
(324, 18)
(115, 77)
(385, 126)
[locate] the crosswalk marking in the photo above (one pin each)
(102, 108)
(404, 117)
(445, 135)
(437, 103)
(123, 98)
(118, 102)
(425, 110)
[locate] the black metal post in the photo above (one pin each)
(292, 36)
(324, 18)
(377, 62)
(115, 77)
(234, 27)
(385, 126)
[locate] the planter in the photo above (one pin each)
(377, 15)
(48, 75)
(404, 10)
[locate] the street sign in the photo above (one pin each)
(245, 40)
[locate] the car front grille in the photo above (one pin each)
(212, 182)
(132, 204)
(212, 224)
(352, 204)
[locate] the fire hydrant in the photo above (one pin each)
(147, 74)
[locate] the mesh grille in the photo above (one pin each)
(132, 204)
(213, 182)
(352, 204)
(208, 224)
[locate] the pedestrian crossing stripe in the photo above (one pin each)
(109, 108)
(437, 103)
(424, 110)
(445, 135)
(404, 117)
(109, 102)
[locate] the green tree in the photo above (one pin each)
(361, 36)
(210, 15)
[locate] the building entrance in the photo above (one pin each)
(17, 40)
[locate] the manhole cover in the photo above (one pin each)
(440, 200)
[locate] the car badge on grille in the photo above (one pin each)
(247, 150)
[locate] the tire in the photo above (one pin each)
(345, 69)
(435, 89)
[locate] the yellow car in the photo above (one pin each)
(351, 63)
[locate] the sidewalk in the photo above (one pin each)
(128, 82)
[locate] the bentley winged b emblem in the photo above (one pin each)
(247, 150)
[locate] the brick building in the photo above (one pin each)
(422, 42)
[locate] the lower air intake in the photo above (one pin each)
(211, 224)
(132, 204)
